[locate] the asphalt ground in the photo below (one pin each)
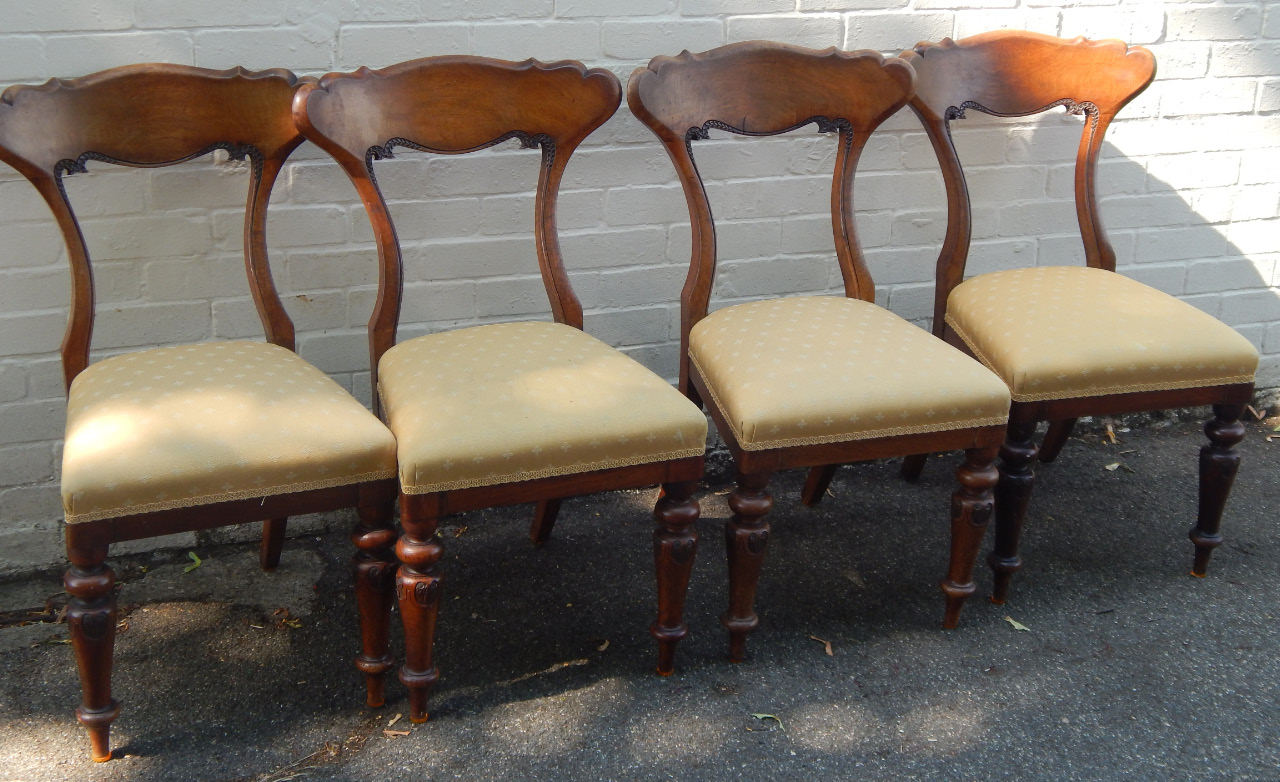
(1128, 666)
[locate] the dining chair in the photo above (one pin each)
(809, 380)
(1071, 341)
(510, 412)
(189, 437)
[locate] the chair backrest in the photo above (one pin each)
(759, 88)
(1010, 73)
(452, 105)
(149, 116)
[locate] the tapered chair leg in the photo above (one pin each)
(913, 465)
(91, 620)
(970, 513)
(544, 518)
(746, 539)
(419, 585)
(374, 570)
(272, 543)
(1219, 462)
(675, 545)
(816, 485)
(1054, 439)
(1013, 495)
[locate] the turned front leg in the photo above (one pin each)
(419, 583)
(970, 512)
(1013, 495)
(91, 620)
(1219, 462)
(675, 545)
(374, 569)
(746, 539)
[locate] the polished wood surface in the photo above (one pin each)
(1013, 73)
(151, 116)
(759, 89)
(455, 105)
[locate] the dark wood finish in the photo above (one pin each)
(150, 116)
(970, 512)
(1054, 439)
(1012, 74)
(761, 89)
(1219, 462)
(455, 105)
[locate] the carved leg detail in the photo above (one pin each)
(374, 569)
(1013, 494)
(913, 465)
(544, 518)
(970, 513)
(675, 545)
(746, 538)
(815, 486)
(1054, 439)
(419, 583)
(272, 543)
(91, 619)
(1219, 461)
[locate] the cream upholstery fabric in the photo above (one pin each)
(1058, 332)
(518, 401)
(192, 425)
(818, 369)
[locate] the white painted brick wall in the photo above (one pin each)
(1189, 183)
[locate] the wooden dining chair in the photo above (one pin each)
(808, 380)
(511, 412)
(190, 437)
(1071, 341)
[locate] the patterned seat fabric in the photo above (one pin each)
(518, 401)
(192, 425)
(819, 369)
(1058, 332)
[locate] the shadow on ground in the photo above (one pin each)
(1128, 663)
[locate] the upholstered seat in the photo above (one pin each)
(1052, 333)
(819, 369)
(190, 425)
(517, 401)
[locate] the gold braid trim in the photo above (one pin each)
(1168, 385)
(211, 499)
(870, 434)
(549, 472)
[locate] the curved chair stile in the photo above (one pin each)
(167, 471)
(867, 383)
(460, 402)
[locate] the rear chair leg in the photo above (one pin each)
(913, 465)
(675, 544)
(272, 543)
(544, 518)
(1054, 439)
(816, 485)
(91, 619)
(1219, 461)
(970, 513)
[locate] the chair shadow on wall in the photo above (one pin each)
(891, 592)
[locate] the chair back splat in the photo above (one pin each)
(454, 105)
(1016, 74)
(149, 116)
(763, 89)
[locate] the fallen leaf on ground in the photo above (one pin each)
(763, 717)
(1112, 467)
(195, 562)
(1111, 434)
(394, 720)
(391, 734)
(1254, 411)
(286, 620)
(603, 646)
(1016, 624)
(831, 494)
(825, 643)
(459, 532)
